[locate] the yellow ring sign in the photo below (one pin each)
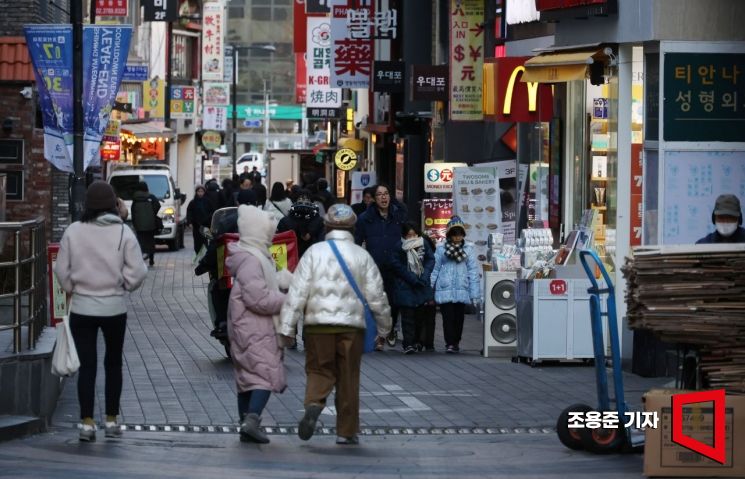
(345, 159)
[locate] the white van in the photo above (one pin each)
(124, 180)
(250, 159)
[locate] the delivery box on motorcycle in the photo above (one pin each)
(284, 251)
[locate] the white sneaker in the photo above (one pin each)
(87, 433)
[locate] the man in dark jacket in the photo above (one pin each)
(727, 219)
(324, 195)
(379, 229)
(259, 190)
(198, 215)
(368, 196)
(305, 221)
(145, 221)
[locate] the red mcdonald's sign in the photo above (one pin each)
(508, 99)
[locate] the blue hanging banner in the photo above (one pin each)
(105, 49)
(50, 48)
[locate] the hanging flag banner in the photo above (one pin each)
(318, 73)
(105, 49)
(352, 48)
(213, 39)
(50, 48)
(466, 59)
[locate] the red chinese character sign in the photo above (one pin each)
(466, 59)
(213, 39)
(352, 32)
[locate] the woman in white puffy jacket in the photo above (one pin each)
(278, 203)
(334, 322)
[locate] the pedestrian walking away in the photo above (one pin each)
(379, 230)
(413, 267)
(305, 221)
(145, 220)
(278, 204)
(99, 260)
(455, 279)
(334, 322)
(255, 300)
(198, 215)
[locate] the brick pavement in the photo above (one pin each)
(176, 374)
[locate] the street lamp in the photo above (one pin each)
(234, 93)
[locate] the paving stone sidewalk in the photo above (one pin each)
(176, 374)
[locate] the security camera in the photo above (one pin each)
(27, 93)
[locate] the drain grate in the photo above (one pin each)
(330, 431)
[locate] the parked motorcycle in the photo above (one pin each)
(223, 229)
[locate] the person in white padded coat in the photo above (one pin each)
(334, 322)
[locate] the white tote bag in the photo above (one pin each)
(65, 360)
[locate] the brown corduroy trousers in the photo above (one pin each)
(333, 361)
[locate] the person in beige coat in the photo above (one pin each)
(99, 260)
(334, 322)
(255, 300)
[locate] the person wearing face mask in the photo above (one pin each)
(727, 219)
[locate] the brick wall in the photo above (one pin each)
(17, 13)
(45, 189)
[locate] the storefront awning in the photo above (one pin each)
(560, 67)
(147, 129)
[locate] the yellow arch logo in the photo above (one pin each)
(532, 92)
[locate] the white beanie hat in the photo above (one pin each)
(256, 227)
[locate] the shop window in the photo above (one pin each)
(261, 14)
(183, 52)
(236, 12)
(11, 165)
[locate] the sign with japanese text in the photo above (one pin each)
(388, 76)
(111, 8)
(215, 118)
(323, 113)
(704, 96)
(160, 10)
(154, 101)
(429, 82)
(466, 59)
(50, 49)
(352, 45)
(318, 67)
(182, 102)
(105, 49)
(213, 39)
(435, 216)
(217, 94)
(438, 177)
(136, 73)
(515, 100)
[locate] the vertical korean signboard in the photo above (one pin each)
(319, 93)
(213, 38)
(216, 101)
(466, 59)
(352, 48)
(703, 96)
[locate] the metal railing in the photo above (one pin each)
(23, 280)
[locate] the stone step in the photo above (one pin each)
(14, 427)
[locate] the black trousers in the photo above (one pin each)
(85, 333)
(426, 325)
(199, 239)
(147, 243)
(452, 322)
(418, 326)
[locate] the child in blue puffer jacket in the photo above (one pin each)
(455, 280)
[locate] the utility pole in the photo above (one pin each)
(266, 121)
(234, 101)
(77, 191)
(167, 112)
